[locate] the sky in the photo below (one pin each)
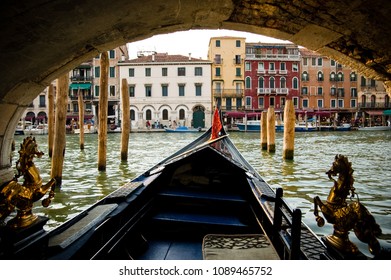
(195, 42)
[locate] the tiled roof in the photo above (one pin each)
(163, 57)
(307, 52)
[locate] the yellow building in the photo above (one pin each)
(227, 55)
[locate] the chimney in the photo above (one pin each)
(189, 56)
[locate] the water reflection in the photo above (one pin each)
(301, 178)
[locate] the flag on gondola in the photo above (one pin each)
(216, 125)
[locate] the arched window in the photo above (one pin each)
(248, 82)
(295, 83)
(181, 114)
(320, 76)
(272, 82)
(132, 115)
(353, 77)
(305, 77)
(165, 114)
(332, 76)
(148, 115)
(282, 82)
(340, 77)
(261, 82)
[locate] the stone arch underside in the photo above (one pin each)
(42, 40)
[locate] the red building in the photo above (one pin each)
(272, 76)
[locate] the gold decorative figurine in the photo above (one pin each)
(14, 195)
(346, 216)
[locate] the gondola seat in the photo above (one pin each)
(238, 247)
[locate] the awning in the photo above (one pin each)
(234, 114)
(387, 112)
(374, 113)
(80, 86)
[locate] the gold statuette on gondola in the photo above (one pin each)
(22, 196)
(346, 214)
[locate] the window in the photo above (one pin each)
(261, 82)
(96, 90)
(248, 102)
(295, 83)
(182, 114)
(320, 76)
(217, 59)
(238, 43)
(340, 77)
(181, 88)
(305, 61)
(332, 76)
(320, 103)
(304, 90)
(333, 91)
(198, 71)
(218, 74)
(363, 81)
(238, 103)
(353, 103)
(131, 90)
(148, 115)
(353, 77)
(340, 103)
(271, 66)
(147, 72)
(42, 101)
(164, 72)
(295, 67)
(112, 54)
(238, 59)
(333, 103)
(148, 90)
(248, 83)
(164, 90)
(272, 82)
(165, 114)
(313, 61)
(112, 91)
(320, 61)
(261, 102)
(320, 91)
(247, 66)
(282, 66)
(282, 82)
(112, 72)
(97, 71)
(218, 43)
(198, 89)
(305, 77)
(353, 92)
(261, 67)
(238, 72)
(131, 72)
(305, 103)
(341, 92)
(132, 115)
(272, 101)
(181, 71)
(332, 62)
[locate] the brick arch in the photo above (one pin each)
(41, 40)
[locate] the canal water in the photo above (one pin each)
(301, 178)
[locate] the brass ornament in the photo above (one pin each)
(22, 196)
(346, 215)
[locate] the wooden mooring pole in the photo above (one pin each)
(125, 124)
(51, 117)
(103, 111)
(271, 130)
(81, 118)
(60, 130)
(264, 130)
(289, 130)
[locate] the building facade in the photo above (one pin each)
(272, 75)
(227, 55)
(168, 90)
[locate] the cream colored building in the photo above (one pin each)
(168, 89)
(227, 55)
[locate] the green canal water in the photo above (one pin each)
(301, 178)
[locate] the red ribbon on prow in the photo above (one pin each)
(216, 125)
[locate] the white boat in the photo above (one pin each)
(88, 129)
(40, 129)
(182, 129)
(375, 128)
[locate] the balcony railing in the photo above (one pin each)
(224, 93)
(81, 78)
(369, 105)
(291, 57)
(281, 91)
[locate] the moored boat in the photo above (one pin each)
(182, 129)
(374, 128)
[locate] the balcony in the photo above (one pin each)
(78, 78)
(282, 57)
(266, 91)
(228, 93)
(380, 105)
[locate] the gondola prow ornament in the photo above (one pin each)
(346, 216)
(14, 195)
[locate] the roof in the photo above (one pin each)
(164, 57)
